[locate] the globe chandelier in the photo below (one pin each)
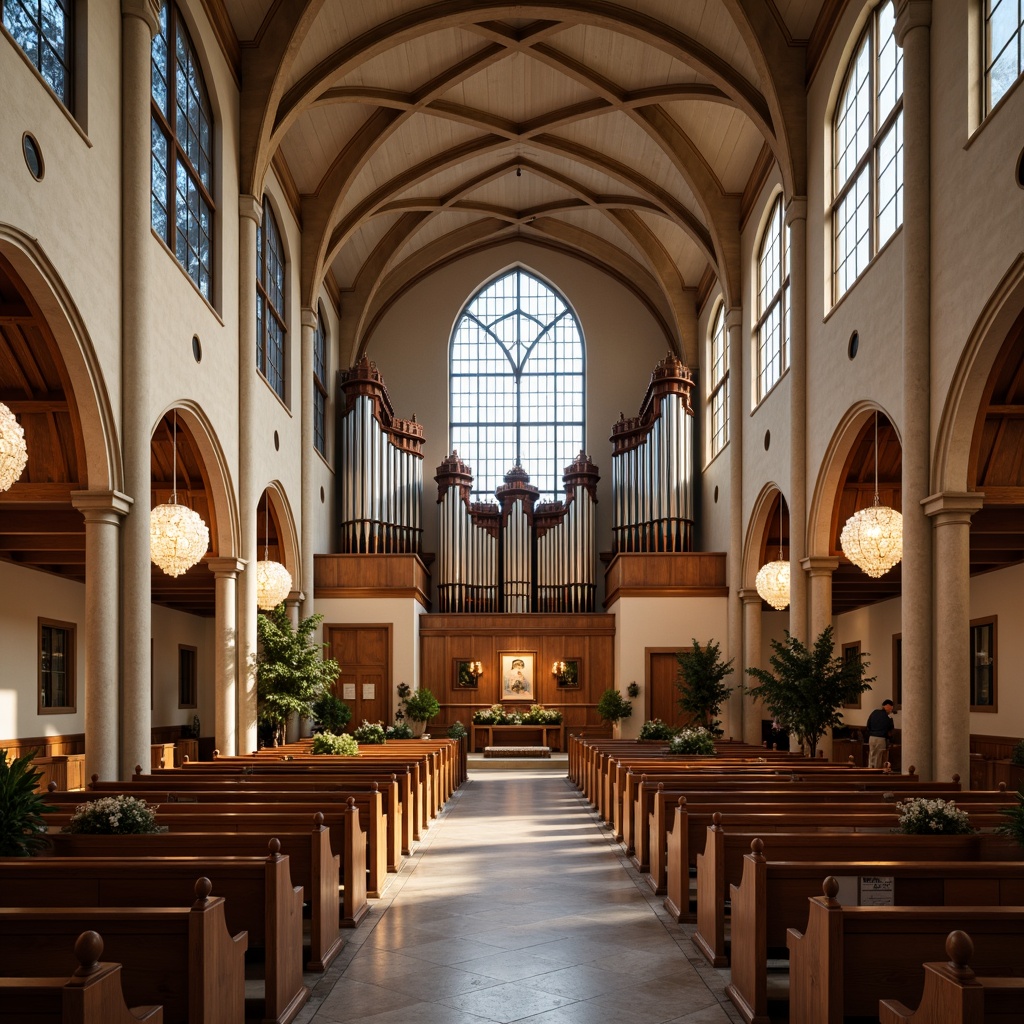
(273, 580)
(772, 579)
(873, 537)
(178, 537)
(13, 453)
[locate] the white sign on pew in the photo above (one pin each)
(877, 891)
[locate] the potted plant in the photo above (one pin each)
(22, 826)
(656, 729)
(399, 731)
(701, 690)
(922, 816)
(420, 707)
(331, 713)
(291, 672)
(693, 740)
(369, 733)
(612, 707)
(1013, 827)
(807, 686)
(119, 815)
(327, 743)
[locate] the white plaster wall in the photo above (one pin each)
(642, 622)
(171, 628)
(874, 627)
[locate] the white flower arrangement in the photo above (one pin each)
(923, 817)
(114, 816)
(692, 741)
(369, 732)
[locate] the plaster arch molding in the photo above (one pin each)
(756, 526)
(103, 468)
(288, 539)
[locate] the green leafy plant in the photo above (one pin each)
(1017, 754)
(421, 705)
(399, 731)
(194, 730)
(118, 815)
(923, 817)
(701, 690)
(1013, 827)
(291, 672)
(696, 740)
(403, 690)
(21, 807)
(540, 715)
(370, 733)
(633, 690)
(328, 743)
(332, 714)
(656, 729)
(612, 706)
(456, 731)
(807, 686)
(494, 715)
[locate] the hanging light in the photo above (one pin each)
(873, 537)
(772, 579)
(178, 537)
(13, 453)
(273, 580)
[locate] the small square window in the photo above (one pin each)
(187, 676)
(851, 652)
(56, 667)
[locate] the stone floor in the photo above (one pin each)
(517, 906)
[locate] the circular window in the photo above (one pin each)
(851, 349)
(277, 442)
(33, 156)
(197, 348)
(767, 439)
(322, 495)
(716, 494)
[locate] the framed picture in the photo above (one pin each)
(569, 675)
(467, 674)
(517, 675)
(850, 652)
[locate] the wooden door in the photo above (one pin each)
(363, 654)
(662, 674)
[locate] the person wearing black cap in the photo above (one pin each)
(879, 727)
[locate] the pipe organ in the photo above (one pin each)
(652, 466)
(382, 469)
(515, 555)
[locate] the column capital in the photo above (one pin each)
(308, 318)
(102, 506)
(911, 14)
(295, 597)
(733, 317)
(147, 10)
(819, 565)
(229, 567)
(250, 208)
(748, 595)
(949, 507)
(795, 209)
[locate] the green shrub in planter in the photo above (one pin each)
(656, 729)
(399, 731)
(369, 733)
(456, 731)
(421, 705)
(328, 743)
(693, 741)
(21, 808)
(331, 713)
(613, 706)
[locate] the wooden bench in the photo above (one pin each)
(772, 897)
(91, 995)
(848, 959)
(954, 994)
(183, 956)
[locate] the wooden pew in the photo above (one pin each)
(91, 995)
(183, 956)
(848, 959)
(772, 897)
(954, 994)
(259, 897)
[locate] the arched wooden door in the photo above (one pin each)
(363, 654)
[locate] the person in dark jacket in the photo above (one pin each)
(879, 727)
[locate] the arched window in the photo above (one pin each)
(718, 398)
(320, 385)
(270, 322)
(182, 142)
(773, 318)
(44, 30)
(867, 139)
(517, 377)
(1004, 47)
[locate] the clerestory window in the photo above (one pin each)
(517, 384)
(320, 385)
(718, 399)
(1004, 48)
(270, 297)
(44, 29)
(772, 330)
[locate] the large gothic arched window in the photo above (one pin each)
(517, 377)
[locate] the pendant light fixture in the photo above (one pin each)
(13, 453)
(873, 537)
(273, 580)
(772, 580)
(178, 537)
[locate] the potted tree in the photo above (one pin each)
(807, 686)
(612, 707)
(702, 692)
(21, 807)
(420, 707)
(291, 671)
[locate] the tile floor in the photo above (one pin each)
(517, 906)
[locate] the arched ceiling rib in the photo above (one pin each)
(624, 133)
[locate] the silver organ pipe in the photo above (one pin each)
(382, 469)
(652, 466)
(513, 556)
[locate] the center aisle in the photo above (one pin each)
(518, 907)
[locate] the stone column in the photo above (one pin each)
(307, 527)
(293, 605)
(103, 512)
(750, 602)
(737, 708)
(913, 20)
(225, 643)
(950, 515)
(250, 215)
(796, 221)
(139, 24)
(819, 571)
